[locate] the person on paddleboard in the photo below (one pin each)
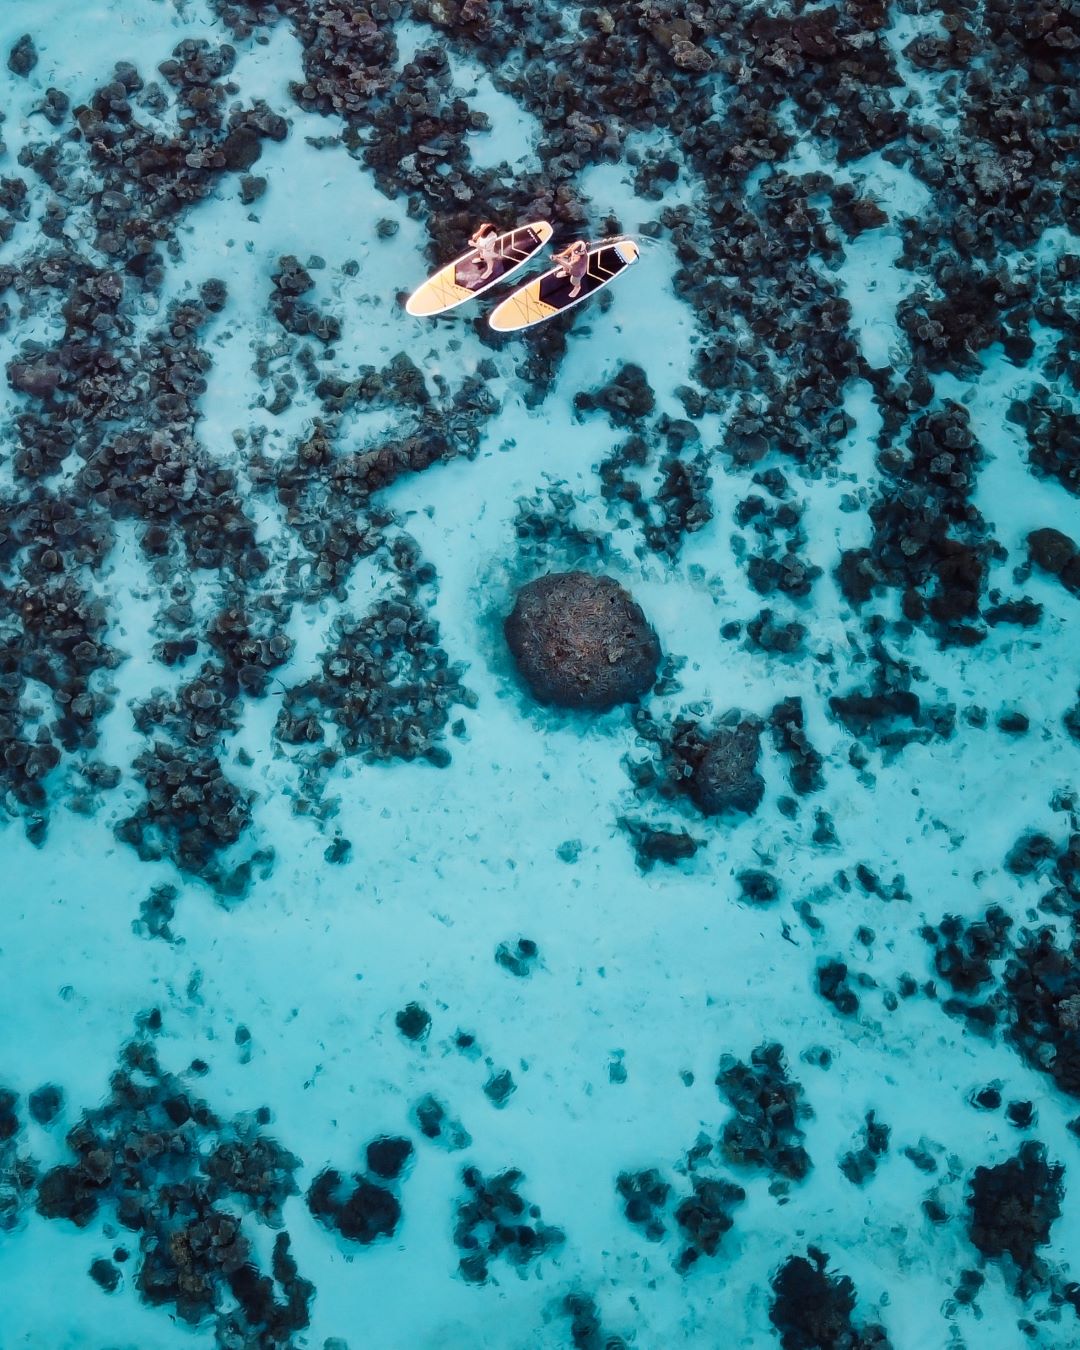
(484, 239)
(573, 262)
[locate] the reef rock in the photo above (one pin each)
(1012, 1206)
(725, 777)
(1056, 553)
(813, 1308)
(581, 641)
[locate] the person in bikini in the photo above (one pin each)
(484, 239)
(573, 262)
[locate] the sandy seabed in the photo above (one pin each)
(232, 1010)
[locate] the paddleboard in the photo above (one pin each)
(461, 280)
(548, 295)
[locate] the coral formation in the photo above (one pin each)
(581, 641)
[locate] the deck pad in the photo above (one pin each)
(462, 279)
(545, 296)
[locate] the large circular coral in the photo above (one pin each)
(582, 641)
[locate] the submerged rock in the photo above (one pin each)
(860, 1164)
(582, 641)
(725, 777)
(657, 843)
(586, 1329)
(45, 1103)
(1042, 984)
(23, 56)
(494, 1220)
(434, 1122)
(1051, 550)
(626, 398)
(18, 1171)
(105, 1275)
(413, 1021)
(155, 1159)
(812, 1308)
(1013, 1205)
(359, 1210)
(388, 1155)
(705, 1216)
(1056, 553)
(518, 958)
(766, 1130)
(644, 1195)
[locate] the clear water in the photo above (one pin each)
(286, 998)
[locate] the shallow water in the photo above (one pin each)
(279, 986)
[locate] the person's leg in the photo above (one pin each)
(488, 258)
(577, 276)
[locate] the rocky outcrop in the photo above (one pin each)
(812, 1307)
(581, 641)
(1012, 1206)
(1056, 553)
(725, 777)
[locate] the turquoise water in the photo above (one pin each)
(295, 863)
